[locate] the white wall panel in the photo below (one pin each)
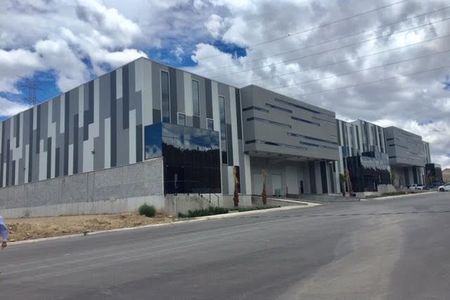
(248, 175)
(234, 131)
(215, 105)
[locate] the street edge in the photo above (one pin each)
(399, 196)
(298, 205)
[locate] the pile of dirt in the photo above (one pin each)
(34, 228)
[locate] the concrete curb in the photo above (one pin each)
(399, 196)
(178, 222)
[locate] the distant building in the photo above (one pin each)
(446, 175)
(406, 156)
(362, 154)
(433, 174)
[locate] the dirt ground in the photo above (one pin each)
(34, 228)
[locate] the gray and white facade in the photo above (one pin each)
(295, 143)
(406, 156)
(88, 137)
(358, 137)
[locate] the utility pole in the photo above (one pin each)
(31, 87)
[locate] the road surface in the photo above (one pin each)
(381, 249)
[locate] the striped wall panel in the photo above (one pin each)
(100, 124)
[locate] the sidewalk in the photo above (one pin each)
(400, 196)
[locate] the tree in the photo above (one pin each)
(342, 181)
(236, 187)
(264, 193)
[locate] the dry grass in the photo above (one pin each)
(34, 228)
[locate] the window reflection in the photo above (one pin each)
(153, 141)
(191, 157)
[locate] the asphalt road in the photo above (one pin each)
(383, 249)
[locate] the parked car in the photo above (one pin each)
(416, 187)
(444, 188)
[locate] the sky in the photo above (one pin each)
(384, 61)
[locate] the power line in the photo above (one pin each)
(341, 37)
(333, 49)
(347, 60)
(31, 86)
(366, 69)
(317, 27)
(368, 82)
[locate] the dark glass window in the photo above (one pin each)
(196, 97)
(191, 157)
(223, 128)
(191, 160)
(165, 101)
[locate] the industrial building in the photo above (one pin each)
(147, 132)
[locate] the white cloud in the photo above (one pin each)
(9, 108)
(62, 36)
(15, 64)
(178, 52)
(57, 55)
(215, 25)
(404, 101)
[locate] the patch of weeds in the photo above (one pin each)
(204, 212)
(147, 210)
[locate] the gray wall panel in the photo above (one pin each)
(81, 128)
(180, 91)
(173, 95)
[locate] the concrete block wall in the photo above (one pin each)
(112, 190)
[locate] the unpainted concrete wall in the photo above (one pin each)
(107, 191)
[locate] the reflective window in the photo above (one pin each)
(153, 141)
(165, 101)
(191, 160)
(196, 97)
(191, 157)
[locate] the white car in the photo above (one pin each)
(444, 188)
(416, 187)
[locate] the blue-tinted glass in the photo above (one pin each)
(153, 141)
(191, 160)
